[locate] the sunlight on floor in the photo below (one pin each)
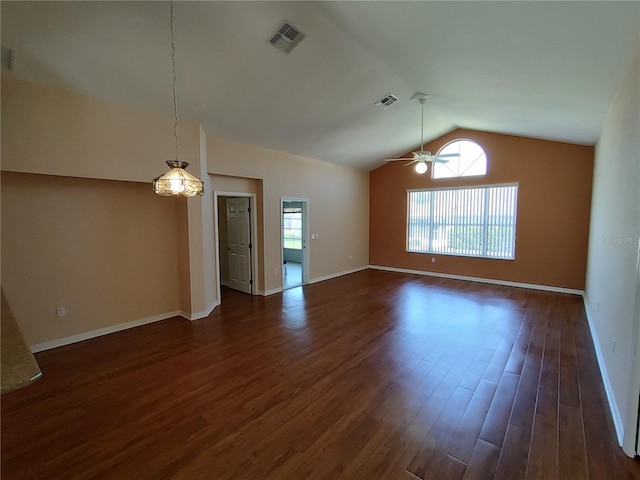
(292, 275)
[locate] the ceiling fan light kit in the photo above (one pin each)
(421, 167)
(421, 157)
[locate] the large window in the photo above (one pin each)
(471, 161)
(292, 220)
(472, 221)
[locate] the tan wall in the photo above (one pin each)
(553, 211)
(66, 135)
(612, 295)
(56, 131)
(338, 205)
(105, 250)
(182, 234)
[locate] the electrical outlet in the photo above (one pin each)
(61, 312)
(275, 271)
(613, 345)
(433, 259)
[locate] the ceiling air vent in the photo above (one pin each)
(8, 59)
(287, 38)
(387, 101)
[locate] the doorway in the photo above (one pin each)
(635, 376)
(236, 232)
(631, 422)
(294, 242)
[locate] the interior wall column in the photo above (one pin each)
(202, 268)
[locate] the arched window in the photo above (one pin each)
(471, 162)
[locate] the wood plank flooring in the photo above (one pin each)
(374, 375)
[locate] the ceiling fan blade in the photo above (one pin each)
(440, 160)
(447, 155)
(396, 159)
(412, 161)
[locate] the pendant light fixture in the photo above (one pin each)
(177, 181)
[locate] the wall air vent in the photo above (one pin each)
(386, 101)
(287, 38)
(8, 59)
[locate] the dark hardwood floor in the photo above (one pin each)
(370, 376)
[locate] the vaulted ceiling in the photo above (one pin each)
(539, 69)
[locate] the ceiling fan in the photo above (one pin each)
(421, 157)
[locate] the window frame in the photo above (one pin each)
(440, 151)
(293, 238)
(485, 216)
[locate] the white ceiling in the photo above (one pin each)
(539, 69)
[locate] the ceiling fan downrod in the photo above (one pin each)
(422, 98)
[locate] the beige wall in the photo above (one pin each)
(105, 250)
(612, 275)
(338, 205)
(63, 135)
(182, 234)
(202, 268)
(60, 132)
(552, 228)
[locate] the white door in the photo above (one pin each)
(239, 241)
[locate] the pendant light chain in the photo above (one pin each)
(177, 181)
(175, 103)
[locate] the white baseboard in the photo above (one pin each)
(266, 293)
(199, 315)
(102, 331)
(122, 326)
(262, 293)
(273, 291)
(339, 274)
(613, 406)
(506, 283)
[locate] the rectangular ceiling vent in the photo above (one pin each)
(8, 59)
(387, 101)
(287, 38)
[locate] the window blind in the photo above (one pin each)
(471, 221)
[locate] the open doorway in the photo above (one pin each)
(294, 242)
(634, 421)
(236, 231)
